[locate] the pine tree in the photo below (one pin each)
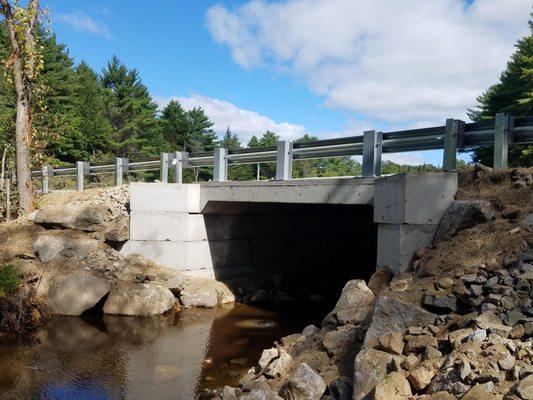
(174, 126)
(89, 109)
(512, 94)
(130, 111)
(230, 141)
(200, 133)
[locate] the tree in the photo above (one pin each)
(230, 141)
(174, 125)
(200, 133)
(25, 64)
(269, 138)
(130, 111)
(512, 94)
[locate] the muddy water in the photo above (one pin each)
(167, 357)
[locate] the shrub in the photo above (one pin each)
(9, 279)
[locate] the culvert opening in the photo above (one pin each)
(276, 252)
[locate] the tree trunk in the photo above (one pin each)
(23, 140)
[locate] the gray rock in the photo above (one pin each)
(391, 315)
(528, 220)
(75, 293)
(343, 344)
(440, 303)
(199, 292)
(261, 394)
(370, 367)
(229, 393)
(84, 216)
(51, 246)
(525, 388)
(279, 367)
(118, 230)
(304, 384)
(341, 389)
(139, 299)
(463, 214)
(355, 295)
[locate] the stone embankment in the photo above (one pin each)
(457, 325)
(69, 248)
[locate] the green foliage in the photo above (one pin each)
(131, 112)
(513, 94)
(173, 123)
(9, 279)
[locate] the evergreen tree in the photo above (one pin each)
(200, 133)
(174, 125)
(266, 170)
(130, 111)
(512, 94)
(230, 141)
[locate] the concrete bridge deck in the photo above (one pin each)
(228, 229)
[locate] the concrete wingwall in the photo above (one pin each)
(178, 226)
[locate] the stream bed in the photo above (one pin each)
(172, 356)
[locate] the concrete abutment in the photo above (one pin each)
(226, 230)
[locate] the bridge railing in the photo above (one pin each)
(454, 135)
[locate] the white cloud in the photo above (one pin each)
(83, 23)
(244, 123)
(410, 60)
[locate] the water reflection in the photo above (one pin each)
(138, 358)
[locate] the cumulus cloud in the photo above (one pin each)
(410, 60)
(83, 23)
(244, 123)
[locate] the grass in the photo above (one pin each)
(9, 279)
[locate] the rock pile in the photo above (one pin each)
(461, 333)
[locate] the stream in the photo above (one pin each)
(172, 356)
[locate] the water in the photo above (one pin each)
(167, 357)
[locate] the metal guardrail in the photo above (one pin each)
(454, 135)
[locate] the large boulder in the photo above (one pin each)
(139, 299)
(75, 293)
(463, 214)
(51, 246)
(261, 394)
(84, 216)
(371, 367)
(304, 384)
(353, 304)
(199, 292)
(277, 368)
(392, 315)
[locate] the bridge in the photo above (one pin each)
(227, 229)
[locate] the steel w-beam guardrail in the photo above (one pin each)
(455, 135)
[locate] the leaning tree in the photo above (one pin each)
(25, 63)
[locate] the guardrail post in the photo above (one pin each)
(179, 161)
(453, 139)
(121, 166)
(284, 160)
(502, 139)
(82, 168)
(46, 172)
(220, 163)
(372, 149)
(163, 168)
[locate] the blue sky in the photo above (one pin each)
(324, 67)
